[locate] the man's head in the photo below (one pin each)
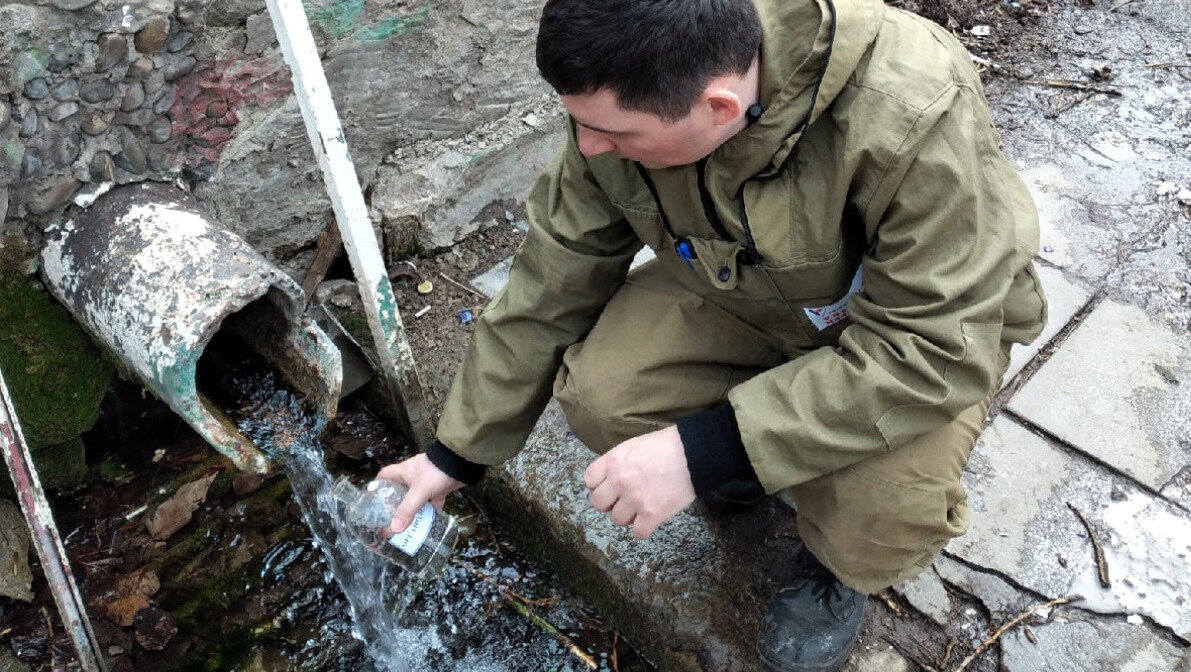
(659, 81)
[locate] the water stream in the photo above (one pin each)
(379, 592)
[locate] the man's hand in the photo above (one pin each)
(425, 482)
(642, 481)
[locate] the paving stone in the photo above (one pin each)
(1096, 645)
(1064, 300)
(1019, 487)
(880, 658)
(1120, 390)
(692, 593)
(927, 594)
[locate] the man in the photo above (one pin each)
(844, 259)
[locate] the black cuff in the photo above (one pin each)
(454, 466)
(715, 455)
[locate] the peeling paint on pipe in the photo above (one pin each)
(154, 280)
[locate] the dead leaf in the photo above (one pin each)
(175, 513)
(124, 610)
(143, 582)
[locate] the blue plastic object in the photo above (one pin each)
(684, 250)
(466, 316)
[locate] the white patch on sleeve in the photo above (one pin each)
(826, 316)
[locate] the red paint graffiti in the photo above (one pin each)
(207, 103)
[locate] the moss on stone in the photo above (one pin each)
(56, 375)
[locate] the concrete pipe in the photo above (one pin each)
(155, 281)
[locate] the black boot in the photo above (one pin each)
(812, 622)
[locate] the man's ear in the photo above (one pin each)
(724, 104)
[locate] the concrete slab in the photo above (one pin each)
(1120, 390)
(1099, 645)
(927, 594)
(690, 597)
(879, 658)
(1064, 299)
(1019, 487)
(1001, 599)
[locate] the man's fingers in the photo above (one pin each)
(644, 526)
(622, 513)
(395, 473)
(409, 505)
(595, 474)
(603, 497)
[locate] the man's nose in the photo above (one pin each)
(592, 143)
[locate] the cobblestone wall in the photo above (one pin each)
(437, 101)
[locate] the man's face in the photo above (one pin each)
(639, 136)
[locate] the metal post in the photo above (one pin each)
(45, 537)
(330, 148)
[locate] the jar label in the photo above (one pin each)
(410, 540)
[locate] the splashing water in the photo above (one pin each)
(283, 426)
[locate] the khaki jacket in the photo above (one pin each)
(867, 222)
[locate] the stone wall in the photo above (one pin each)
(440, 102)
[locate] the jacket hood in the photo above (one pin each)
(809, 49)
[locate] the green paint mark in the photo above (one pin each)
(340, 17)
(395, 26)
(14, 151)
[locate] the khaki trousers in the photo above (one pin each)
(659, 352)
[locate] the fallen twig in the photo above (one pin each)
(615, 658)
(1166, 64)
(1078, 86)
(1062, 107)
(1097, 550)
(1009, 626)
(897, 611)
(461, 285)
(1120, 4)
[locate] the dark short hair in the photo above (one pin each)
(655, 55)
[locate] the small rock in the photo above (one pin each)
(63, 110)
(72, 5)
(1184, 196)
(531, 120)
(179, 42)
(96, 122)
(54, 197)
(159, 130)
(141, 118)
(25, 67)
(98, 91)
(151, 39)
(162, 158)
(37, 88)
(140, 68)
(180, 68)
(66, 91)
(16, 579)
(30, 164)
(101, 167)
(132, 156)
(216, 109)
(134, 97)
(981, 30)
(186, 16)
(1134, 619)
(67, 148)
(29, 124)
(5, 115)
(153, 628)
(261, 35)
(165, 101)
(113, 49)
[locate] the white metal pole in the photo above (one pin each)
(330, 148)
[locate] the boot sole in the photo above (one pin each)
(770, 665)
